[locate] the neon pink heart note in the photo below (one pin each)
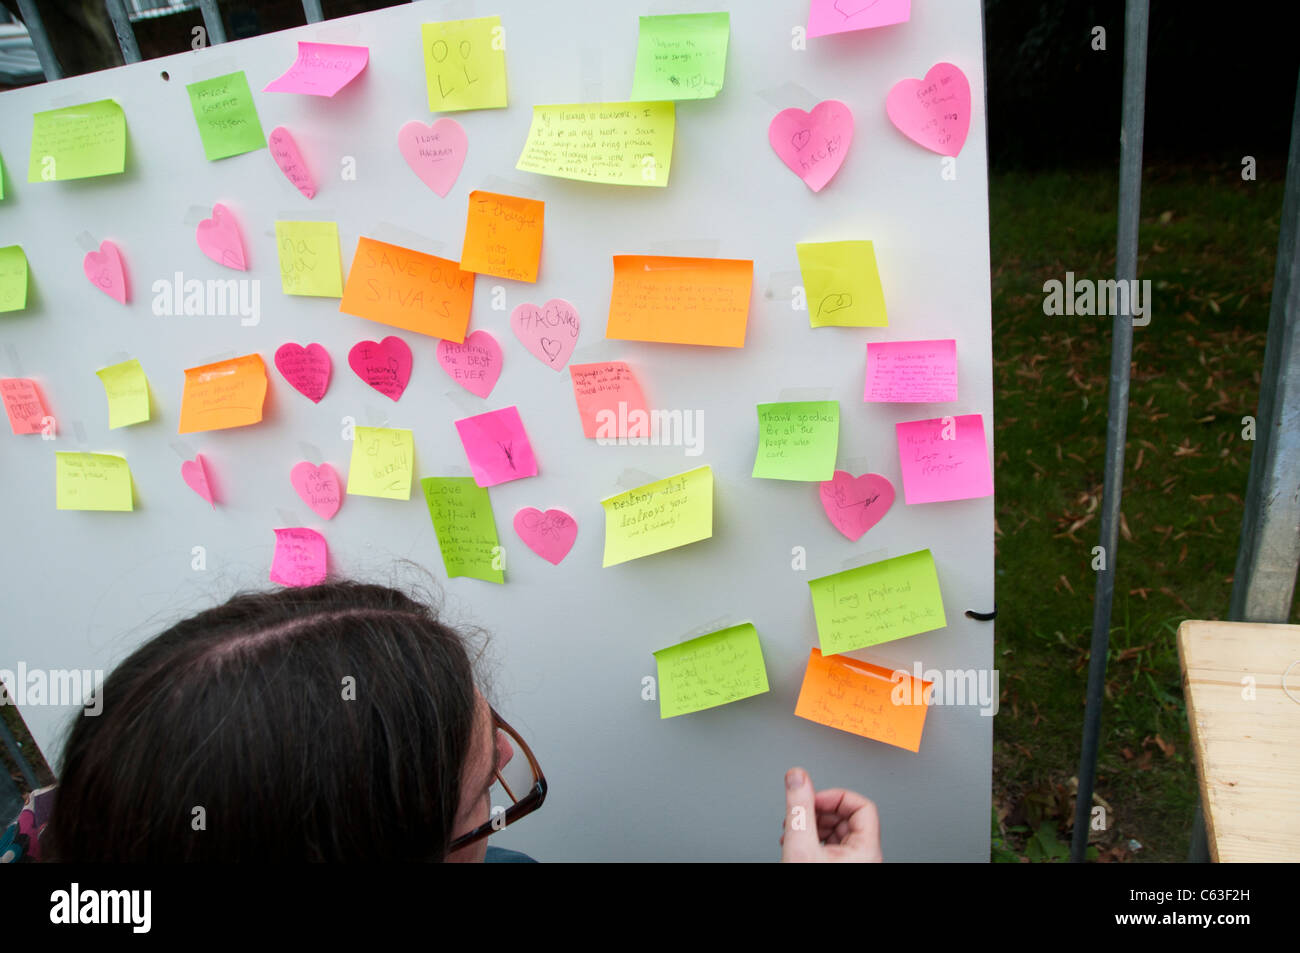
(550, 534)
(855, 504)
(435, 152)
(935, 111)
(219, 239)
(813, 144)
(105, 271)
(195, 474)
(300, 557)
(289, 158)
(549, 332)
(385, 366)
(307, 369)
(475, 364)
(841, 16)
(319, 487)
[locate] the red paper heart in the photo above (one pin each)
(307, 369)
(385, 366)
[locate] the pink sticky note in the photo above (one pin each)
(934, 111)
(550, 534)
(813, 144)
(307, 369)
(321, 69)
(300, 557)
(855, 504)
(945, 458)
(474, 364)
(385, 366)
(289, 158)
(841, 16)
(195, 474)
(434, 152)
(219, 239)
(105, 271)
(549, 331)
(23, 404)
(610, 402)
(319, 487)
(915, 372)
(497, 447)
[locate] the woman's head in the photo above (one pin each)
(337, 722)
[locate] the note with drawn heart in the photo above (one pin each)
(307, 369)
(289, 158)
(385, 365)
(813, 144)
(219, 239)
(841, 16)
(105, 271)
(474, 364)
(435, 152)
(935, 111)
(855, 504)
(319, 487)
(550, 534)
(548, 331)
(195, 474)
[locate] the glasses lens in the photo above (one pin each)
(517, 776)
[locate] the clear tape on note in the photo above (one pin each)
(79, 432)
(687, 248)
(788, 95)
(856, 466)
(297, 215)
(596, 353)
(858, 560)
(803, 393)
(374, 417)
(211, 69)
(345, 32)
(713, 625)
(464, 403)
(781, 285)
(310, 452)
(630, 479)
(494, 183)
(396, 235)
(117, 357)
(217, 358)
(181, 449)
(591, 66)
(287, 518)
(197, 213)
(86, 242)
(454, 10)
(14, 362)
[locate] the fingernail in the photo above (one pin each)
(793, 779)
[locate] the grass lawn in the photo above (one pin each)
(1208, 244)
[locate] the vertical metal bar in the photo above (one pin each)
(16, 751)
(125, 32)
(212, 22)
(1121, 355)
(311, 10)
(40, 40)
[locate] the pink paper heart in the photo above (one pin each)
(105, 271)
(548, 332)
(935, 111)
(318, 486)
(219, 239)
(474, 364)
(813, 144)
(289, 158)
(385, 366)
(550, 534)
(855, 504)
(307, 369)
(435, 152)
(195, 475)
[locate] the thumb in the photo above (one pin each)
(801, 841)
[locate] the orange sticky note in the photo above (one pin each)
(503, 236)
(680, 300)
(865, 699)
(225, 394)
(409, 290)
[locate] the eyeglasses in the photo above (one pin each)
(520, 781)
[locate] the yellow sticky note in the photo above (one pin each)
(614, 143)
(886, 600)
(310, 262)
(842, 285)
(383, 459)
(465, 64)
(91, 481)
(13, 278)
(658, 516)
(713, 670)
(128, 393)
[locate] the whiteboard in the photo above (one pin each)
(570, 644)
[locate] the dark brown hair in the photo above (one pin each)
(241, 710)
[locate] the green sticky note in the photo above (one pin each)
(78, 142)
(683, 56)
(465, 64)
(128, 393)
(226, 115)
(383, 460)
(658, 516)
(13, 278)
(310, 262)
(613, 143)
(798, 440)
(842, 285)
(712, 670)
(2, 177)
(888, 600)
(461, 511)
(91, 481)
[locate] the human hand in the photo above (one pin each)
(846, 828)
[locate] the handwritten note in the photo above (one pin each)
(658, 516)
(680, 300)
(13, 278)
(681, 56)
(842, 285)
(841, 16)
(503, 236)
(610, 402)
(222, 395)
(461, 511)
(91, 481)
(409, 290)
(23, 404)
(868, 700)
(321, 69)
(798, 440)
(383, 462)
(497, 447)
(612, 143)
(465, 64)
(78, 142)
(226, 116)
(945, 458)
(127, 390)
(886, 600)
(287, 155)
(301, 557)
(712, 670)
(310, 263)
(916, 372)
